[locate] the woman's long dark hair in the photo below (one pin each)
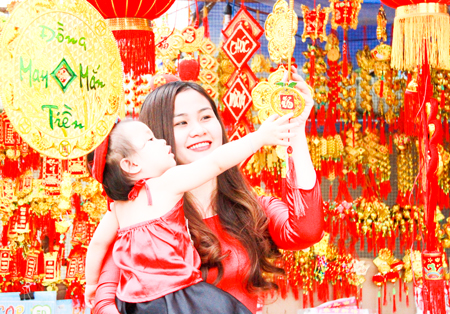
(238, 209)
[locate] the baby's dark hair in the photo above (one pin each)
(116, 183)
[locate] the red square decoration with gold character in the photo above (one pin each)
(78, 167)
(51, 175)
(51, 268)
(23, 219)
(240, 46)
(75, 263)
(11, 138)
(5, 261)
(237, 100)
(31, 268)
(245, 18)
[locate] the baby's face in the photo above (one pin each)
(153, 155)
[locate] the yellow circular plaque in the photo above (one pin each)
(285, 100)
(60, 76)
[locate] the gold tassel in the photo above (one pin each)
(414, 23)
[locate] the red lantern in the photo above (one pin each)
(130, 22)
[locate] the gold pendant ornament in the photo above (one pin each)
(286, 99)
(281, 26)
(60, 76)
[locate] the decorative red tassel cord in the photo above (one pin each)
(380, 103)
(305, 300)
(400, 290)
(344, 55)
(137, 48)
(312, 65)
(379, 301)
(406, 295)
(205, 21)
(394, 305)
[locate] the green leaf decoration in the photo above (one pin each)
(280, 84)
(292, 84)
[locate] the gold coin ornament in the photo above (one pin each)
(286, 99)
(60, 76)
(277, 97)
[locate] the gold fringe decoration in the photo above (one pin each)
(128, 23)
(415, 22)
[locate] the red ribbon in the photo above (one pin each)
(136, 188)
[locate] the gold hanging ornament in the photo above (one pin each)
(275, 96)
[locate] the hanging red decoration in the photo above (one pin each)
(345, 14)
(189, 69)
(130, 22)
(433, 271)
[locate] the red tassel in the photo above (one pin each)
(353, 133)
(344, 56)
(384, 294)
(433, 296)
(205, 21)
(381, 90)
(5, 235)
(407, 295)
(41, 266)
(394, 306)
(305, 300)
(137, 48)
(379, 302)
(11, 168)
(312, 65)
(400, 290)
(364, 121)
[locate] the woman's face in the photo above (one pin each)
(196, 129)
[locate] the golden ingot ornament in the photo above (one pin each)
(60, 76)
(278, 31)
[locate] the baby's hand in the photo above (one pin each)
(275, 130)
(89, 295)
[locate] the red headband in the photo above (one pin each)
(100, 160)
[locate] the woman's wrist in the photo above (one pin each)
(254, 142)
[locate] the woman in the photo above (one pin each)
(235, 232)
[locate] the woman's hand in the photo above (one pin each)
(275, 131)
(305, 90)
(89, 295)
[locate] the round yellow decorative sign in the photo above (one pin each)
(270, 97)
(60, 76)
(286, 99)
